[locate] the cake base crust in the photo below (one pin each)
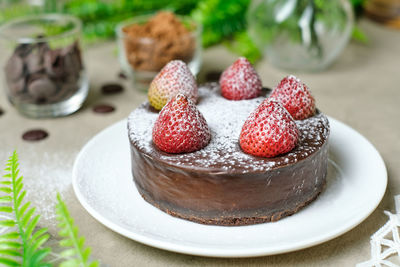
(234, 221)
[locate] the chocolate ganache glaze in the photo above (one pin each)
(220, 184)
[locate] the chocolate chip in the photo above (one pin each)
(54, 63)
(42, 88)
(111, 88)
(35, 135)
(122, 75)
(103, 108)
(34, 61)
(66, 91)
(14, 67)
(23, 49)
(16, 87)
(266, 88)
(1, 112)
(213, 76)
(37, 74)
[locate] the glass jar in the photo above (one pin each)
(301, 34)
(147, 43)
(384, 11)
(42, 65)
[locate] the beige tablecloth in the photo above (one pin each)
(362, 89)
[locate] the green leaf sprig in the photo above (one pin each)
(23, 242)
(22, 247)
(75, 252)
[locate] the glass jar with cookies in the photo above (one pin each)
(42, 65)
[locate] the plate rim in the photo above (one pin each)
(221, 252)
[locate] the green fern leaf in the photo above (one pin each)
(24, 208)
(10, 244)
(66, 242)
(16, 173)
(9, 262)
(39, 256)
(9, 235)
(86, 253)
(6, 209)
(10, 252)
(19, 187)
(40, 241)
(20, 196)
(5, 199)
(23, 245)
(31, 226)
(38, 234)
(68, 253)
(7, 223)
(75, 252)
(27, 216)
(70, 263)
(6, 190)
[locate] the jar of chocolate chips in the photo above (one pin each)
(42, 65)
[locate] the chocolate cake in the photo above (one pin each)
(220, 184)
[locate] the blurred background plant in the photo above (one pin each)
(223, 21)
(300, 34)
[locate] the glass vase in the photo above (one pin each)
(303, 35)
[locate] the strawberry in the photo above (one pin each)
(269, 131)
(180, 127)
(240, 81)
(174, 78)
(295, 96)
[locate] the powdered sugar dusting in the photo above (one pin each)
(269, 131)
(174, 78)
(295, 96)
(240, 81)
(225, 119)
(180, 127)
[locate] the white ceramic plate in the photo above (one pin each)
(102, 181)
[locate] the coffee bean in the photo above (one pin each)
(122, 75)
(213, 76)
(103, 108)
(34, 135)
(111, 88)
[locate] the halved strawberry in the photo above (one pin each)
(269, 131)
(240, 81)
(174, 78)
(295, 96)
(180, 127)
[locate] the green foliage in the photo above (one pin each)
(23, 244)
(101, 17)
(243, 45)
(22, 247)
(359, 35)
(75, 252)
(220, 19)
